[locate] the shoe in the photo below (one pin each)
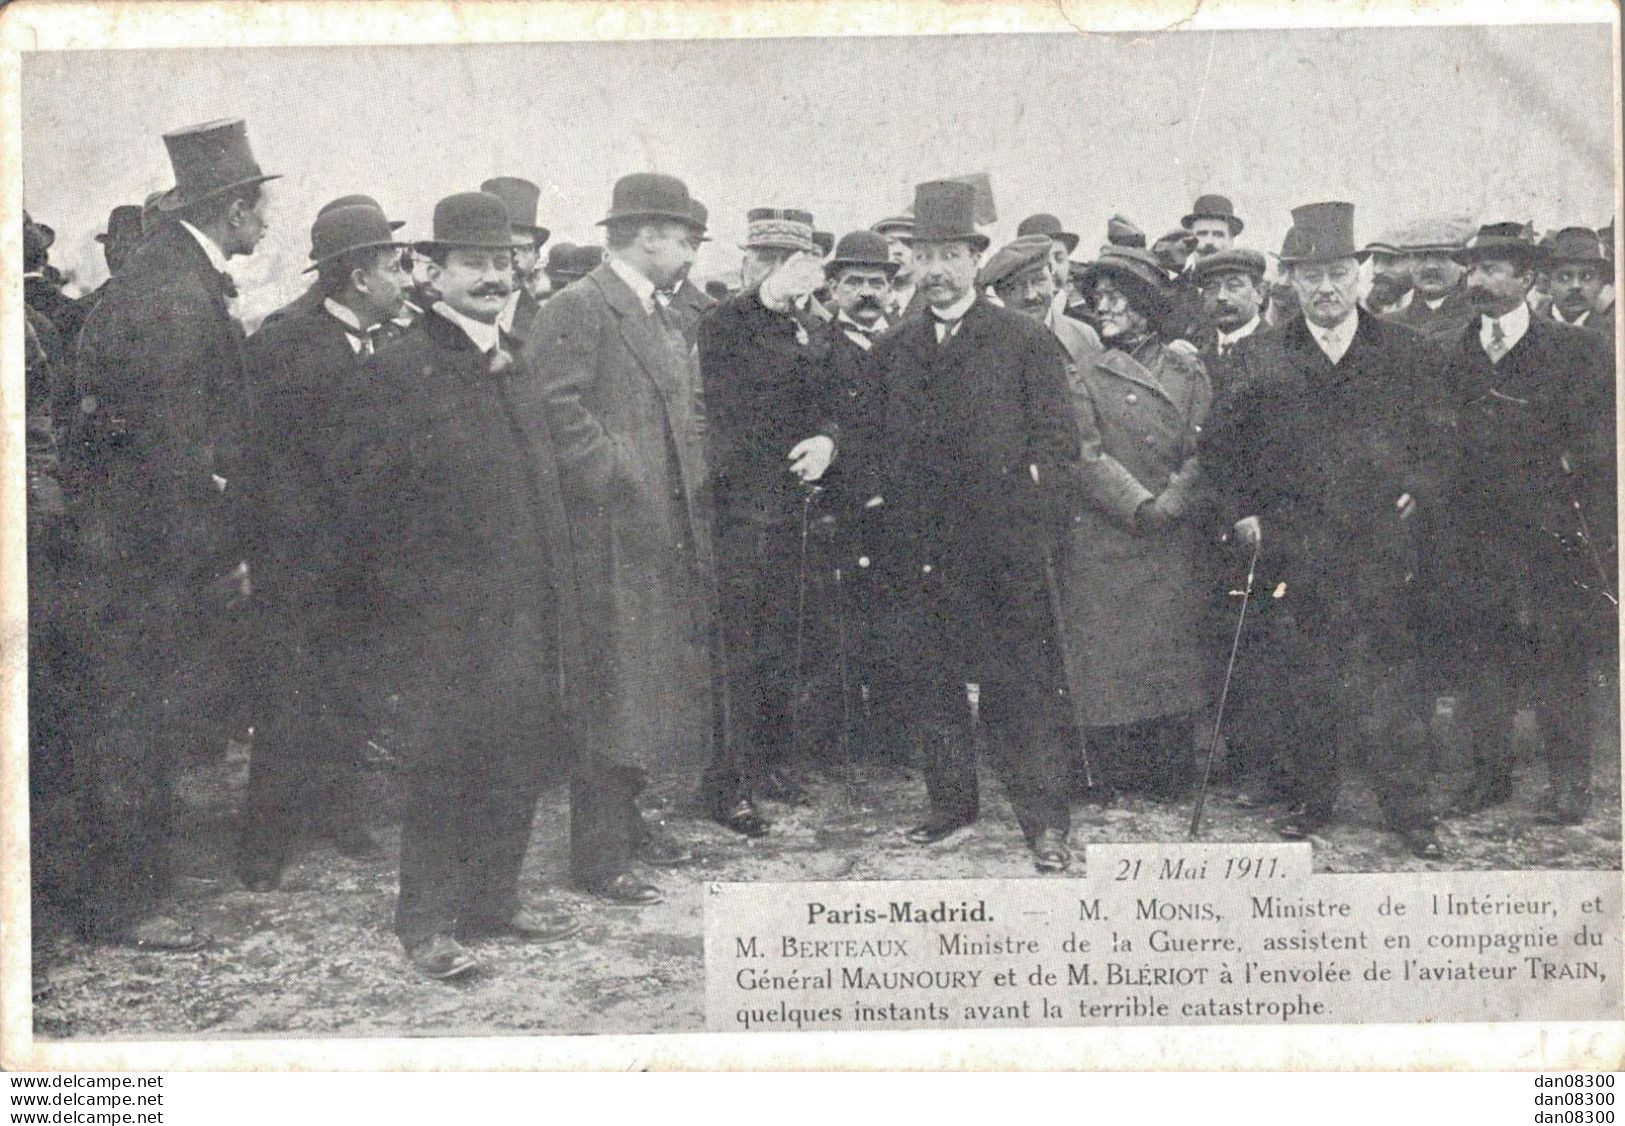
(1423, 843)
(778, 785)
(161, 934)
(350, 838)
(526, 924)
(936, 829)
(661, 851)
(441, 958)
(626, 891)
(1301, 824)
(259, 874)
(1478, 798)
(1050, 853)
(742, 817)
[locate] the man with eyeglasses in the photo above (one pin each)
(1331, 457)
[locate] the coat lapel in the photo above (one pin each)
(1125, 366)
(643, 338)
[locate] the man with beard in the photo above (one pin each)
(1576, 272)
(975, 458)
(1439, 310)
(622, 392)
(1022, 276)
(770, 438)
(1534, 400)
(304, 369)
(905, 300)
(1332, 454)
(1231, 285)
(520, 197)
(685, 302)
(1391, 290)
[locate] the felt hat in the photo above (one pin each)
(867, 249)
(208, 160)
(1573, 244)
(1121, 231)
(1137, 271)
(475, 219)
(1049, 226)
(700, 216)
(520, 197)
(896, 226)
(566, 261)
(650, 195)
(340, 230)
(1320, 232)
(1213, 207)
(1512, 241)
(366, 200)
(123, 224)
(1014, 258)
(945, 211)
(1438, 235)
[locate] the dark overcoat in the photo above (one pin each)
(623, 399)
(1442, 325)
(689, 306)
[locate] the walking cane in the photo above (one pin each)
(1068, 664)
(846, 688)
(1585, 534)
(801, 618)
(1224, 694)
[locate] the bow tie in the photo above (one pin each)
(228, 285)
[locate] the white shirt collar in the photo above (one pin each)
(1225, 339)
(863, 338)
(1433, 303)
(1514, 323)
(485, 336)
(1557, 315)
(1335, 341)
(217, 257)
(640, 285)
(958, 308)
(509, 311)
(357, 335)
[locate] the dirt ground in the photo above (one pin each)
(317, 956)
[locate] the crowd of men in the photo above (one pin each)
(580, 521)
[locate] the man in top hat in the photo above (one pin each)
(1534, 558)
(1576, 272)
(568, 263)
(1331, 454)
(304, 370)
(520, 197)
(1231, 286)
(155, 455)
(906, 300)
(621, 388)
(973, 462)
(1022, 276)
(458, 547)
(684, 301)
(771, 427)
(1439, 309)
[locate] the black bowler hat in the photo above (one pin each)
(866, 249)
(566, 261)
(1321, 232)
(340, 230)
(1513, 242)
(520, 197)
(1213, 207)
(701, 217)
(945, 211)
(474, 219)
(367, 200)
(650, 195)
(123, 224)
(1573, 244)
(1046, 224)
(209, 159)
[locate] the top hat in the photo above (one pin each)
(650, 195)
(1213, 207)
(1437, 235)
(209, 159)
(520, 198)
(700, 217)
(945, 211)
(366, 200)
(772, 228)
(1049, 226)
(475, 219)
(1514, 242)
(1235, 260)
(1573, 244)
(1320, 232)
(1138, 271)
(123, 224)
(896, 226)
(339, 230)
(1014, 258)
(566, 261)
(868, 249)
(1122, 232)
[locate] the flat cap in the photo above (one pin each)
(1014, 257)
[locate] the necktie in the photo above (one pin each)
(1497, 346)
(946, 328)
(667, 324)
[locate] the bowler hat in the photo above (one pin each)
(868, 249)
(1235, 260)
(774, 228)
(1137, 271)
(945, 211)
(1320, 232)
(1213, 207)
(343, 229)
(1015, 257)
(209, 159)
(566, 261)
(37, 239)
(1049, 226)
(1573, 244)
(701, 217)
(1122, 232)
(366, 200)
(1513, 242)
(896, 226)
(520, 198)
(650, 195)
(475, 219)
(123, 224)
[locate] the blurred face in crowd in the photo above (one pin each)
(1116, 312)
(1029, 291)
(903, 255)
(1212, 236)
(1574, 287)
(1496, 286)
(1231, 299)
(1390, 278)
(1060, 262)
(665, 252)
(944, 271)
(1435, 275)
(759, 262)
(382, 284)
(1327, 291)
(474, 281)
(525, 257)
(861, 292)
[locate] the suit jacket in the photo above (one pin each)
(851, 377)
(1601, 323)
(689, 305)
(1441, 325)
(1220, 368)
(161, 366)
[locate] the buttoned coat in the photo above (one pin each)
(1133, 596)
(623, 398)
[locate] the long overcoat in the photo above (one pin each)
(1133, 597)
(623, 398)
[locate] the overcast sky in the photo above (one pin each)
(1494, 123)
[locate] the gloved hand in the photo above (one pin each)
(810, 457)
(794, 278)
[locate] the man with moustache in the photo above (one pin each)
(1331, 455)
(521, 198)
(458, 550)
(975, 460)
(1213, 224)
(1231, 286)
(685, 302)
(771, 426)
(1534, 400)
(1391, 290)
(621, 389)
(906, 300)
(1439, 310)
(154, 452)
(305, 369)
(1062, 244)
(312, 299)
(1576, 272)
(1022, 276)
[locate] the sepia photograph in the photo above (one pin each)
(678, 534)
